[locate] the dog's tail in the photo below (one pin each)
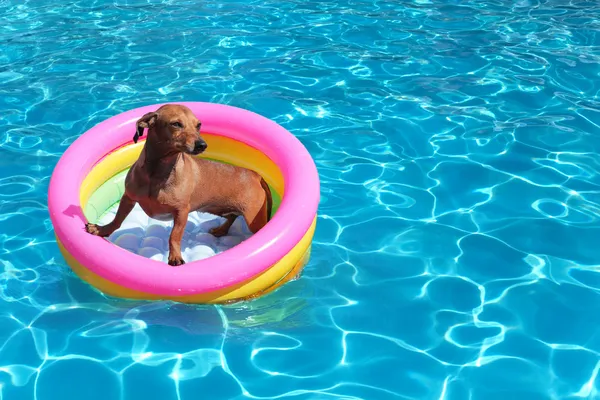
(267, 190)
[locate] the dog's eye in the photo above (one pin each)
(198, 126)
(176, 124)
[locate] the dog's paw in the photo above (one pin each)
(95, 230)
(176, 261)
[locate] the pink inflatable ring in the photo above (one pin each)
(82, 187)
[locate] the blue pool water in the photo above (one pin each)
(457, 249)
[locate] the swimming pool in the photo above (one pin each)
(456, 249)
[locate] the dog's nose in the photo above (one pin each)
(200, 146)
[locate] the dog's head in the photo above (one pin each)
(174, 126)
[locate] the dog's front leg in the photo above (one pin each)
(180, 218)
(125, 207)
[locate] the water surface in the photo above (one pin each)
(456, 254)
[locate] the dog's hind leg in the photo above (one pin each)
(125, 207)
(257, 219)
(224, 228)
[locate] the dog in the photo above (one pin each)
(168, 182)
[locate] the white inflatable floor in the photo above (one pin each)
(150, 238)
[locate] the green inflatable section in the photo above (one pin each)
(109, 194)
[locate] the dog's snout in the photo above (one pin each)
(200, 146)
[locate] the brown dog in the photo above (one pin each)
(169, 183)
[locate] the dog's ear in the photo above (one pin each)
(145, 122)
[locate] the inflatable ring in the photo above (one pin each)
(83, 186)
